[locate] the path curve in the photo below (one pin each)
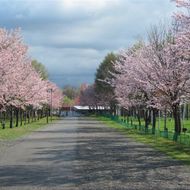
(83, 154)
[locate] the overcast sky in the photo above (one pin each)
(71, 37)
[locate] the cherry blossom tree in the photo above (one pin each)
(88, 97)
(131, 92)
(55, 96)
(182, 27)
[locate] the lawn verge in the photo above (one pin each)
(170, 148)
(17, 132)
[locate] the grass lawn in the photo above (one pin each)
(16, 132)
(172, 149)
(169, 124)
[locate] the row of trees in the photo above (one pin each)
(155, 75)
(23, 89)
(150, 76)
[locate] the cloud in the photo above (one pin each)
(71, 37)
(87, 4)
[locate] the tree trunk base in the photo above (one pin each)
(175, 136)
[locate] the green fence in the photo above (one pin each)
(183, 138)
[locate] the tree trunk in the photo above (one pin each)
(21, 117)
(11, 117)
(131, 116)
(38, 115)
(41, 114)
(165, 120)
(47, 114)
(187, 111)
(139, 118)
(146, 120)
(177, 121)
(32, 114)
(154, 121)
(25, 116)
(3, 120)
(35, 113)
(1, 116)
(28, 116)
(114, 110)
(17, 116)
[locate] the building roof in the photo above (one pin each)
(88, 108)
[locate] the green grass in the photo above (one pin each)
(172, 149)
(169, 124)
(17, 132)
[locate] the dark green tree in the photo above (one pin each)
(71, 92)
(41, 69)
(67, 101)
(104, 91)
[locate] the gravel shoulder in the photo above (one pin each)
(83, 154)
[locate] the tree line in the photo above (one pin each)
(25, 91)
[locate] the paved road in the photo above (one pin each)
(83, 154)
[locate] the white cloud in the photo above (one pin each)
(87, 4)
(71, 37)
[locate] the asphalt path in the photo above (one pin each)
(83, 154)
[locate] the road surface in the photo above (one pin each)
(83, 154)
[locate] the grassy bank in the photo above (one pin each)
(160, 124)
(16, 132)
(172, 149)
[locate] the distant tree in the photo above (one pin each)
(88, 97)
(40, 68)
(71, 92)
(104, 91)
(67, 101)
